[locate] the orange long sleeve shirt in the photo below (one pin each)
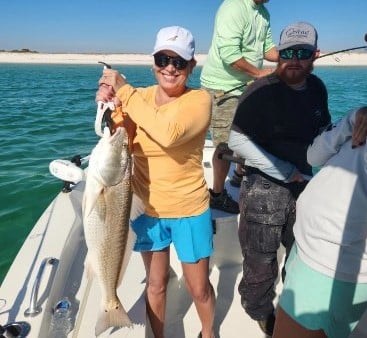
(168, 150)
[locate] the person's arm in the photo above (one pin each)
(270, 51)
(272, 55)
(359, 133)
(243, 66)
(329, 142)
(168, 130)
(258, 158)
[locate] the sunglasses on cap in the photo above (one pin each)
(301, 54)
(162, 60)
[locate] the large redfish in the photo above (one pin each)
(106, 212)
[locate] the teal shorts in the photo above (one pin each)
(191, 236)
(317, 301)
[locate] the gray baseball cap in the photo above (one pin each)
(298, 34)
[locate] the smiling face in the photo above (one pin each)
(171, 80)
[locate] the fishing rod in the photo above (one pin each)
(222, 93)
(341, 51)
(345, 50)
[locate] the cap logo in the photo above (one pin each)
(174, 38)
(297, 33)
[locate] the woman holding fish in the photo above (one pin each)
(168, 178)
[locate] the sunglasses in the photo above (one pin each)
(301, 54)
(162, 60)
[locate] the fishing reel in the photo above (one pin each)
(70, 172)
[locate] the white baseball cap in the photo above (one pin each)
(176, 39)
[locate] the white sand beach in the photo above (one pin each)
(340, 59)
(71, 58)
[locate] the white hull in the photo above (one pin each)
(57, 242)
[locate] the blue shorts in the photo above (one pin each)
(317, 301)
(191, 236)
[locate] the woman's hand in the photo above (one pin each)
(113, 79)
(105, 93)
(110, 82)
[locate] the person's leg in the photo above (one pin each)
(287, 234)
(220, 168)
(305, 309)
(222, 116)
(317, 305)
(287, 327)
(193, 241)
(262, 218)
(260, 270)
(237, 176)
(198, 284)
(157, 271)
(221, 200)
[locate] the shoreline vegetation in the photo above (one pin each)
(25, 57)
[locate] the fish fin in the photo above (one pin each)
(131, 238)
(137, 207)
(89, 268)
(90, 197)
(112, 318)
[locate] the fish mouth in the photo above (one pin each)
(107, 119)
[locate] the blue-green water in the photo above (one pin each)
(47, 112)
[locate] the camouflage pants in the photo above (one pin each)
(223, 110)
(267, 215)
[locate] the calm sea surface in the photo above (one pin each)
(47, 112)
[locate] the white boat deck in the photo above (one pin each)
(61, 223)
(57, 243)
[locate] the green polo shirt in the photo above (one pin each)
(242, 29)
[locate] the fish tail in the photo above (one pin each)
(116, 317)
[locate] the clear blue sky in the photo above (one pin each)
(129, 26)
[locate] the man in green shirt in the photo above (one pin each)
(242, 39)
